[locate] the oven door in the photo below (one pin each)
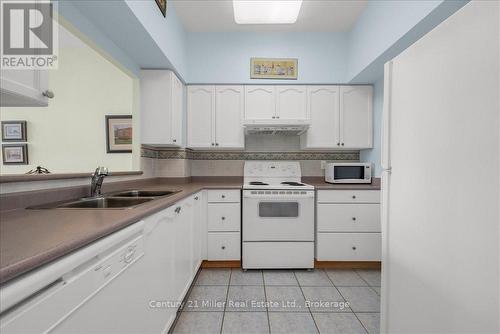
(276, 215)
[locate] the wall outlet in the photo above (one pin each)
(323, 164)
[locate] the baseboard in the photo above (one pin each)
(221, 264)
(347, 264)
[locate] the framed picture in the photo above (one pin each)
(14, 131)
(162, 4)
(119, 133)
(273, 68)
(15, 154)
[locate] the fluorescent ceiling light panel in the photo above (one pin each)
(266, 11)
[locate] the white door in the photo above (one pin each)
(200, 112)
(356, 126)
(229, 130)
(177, 110)
(323, 111)
(291, 102)
(260, 103)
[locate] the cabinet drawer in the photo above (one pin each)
(349, 247)
(348, 217)
(348, 196)
(224, 217)
(224, 246)
(215, 196)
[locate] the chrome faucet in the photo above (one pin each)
(97, 178)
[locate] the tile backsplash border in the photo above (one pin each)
(187, 154)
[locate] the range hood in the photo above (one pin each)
(278, 127)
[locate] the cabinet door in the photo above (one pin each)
(260, 103)
(228, 117)
(199, 231)
(23, 88)
(183, 247)
(323, 111)
(356, 128)
(201, 113)
(177, 110)
(156, 108)
(291, 102)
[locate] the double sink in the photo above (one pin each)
(121, 200)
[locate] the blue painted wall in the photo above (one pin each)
(225, 57)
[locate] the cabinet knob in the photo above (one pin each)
(178, 209)
(223, 218)
(342, 144)
(223, 247)
(174, 140)
(353, 247)
(354, 218)
(354, 196)
(338, 144)
(277, 117)
(196, 198)
(274, 117)
(216, 144)
(223, 196)
(213, 144)
(48, 94)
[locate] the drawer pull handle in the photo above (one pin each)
(353, 247)
(223, 218)
(354, 218)
(223, 247)
(353, 196)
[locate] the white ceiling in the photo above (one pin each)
(315, 15)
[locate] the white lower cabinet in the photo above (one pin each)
(223, 225)
(349, 247)
(224, 246)
(348, 225)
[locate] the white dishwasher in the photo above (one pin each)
(47, 299)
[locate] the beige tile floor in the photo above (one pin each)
(282, 301)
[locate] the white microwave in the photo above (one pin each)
(350, 172)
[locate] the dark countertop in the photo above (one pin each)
(320, 184)
(31, 238)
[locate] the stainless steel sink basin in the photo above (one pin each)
(105, 203)
(145, 193)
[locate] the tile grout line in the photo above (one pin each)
(225, 304)
(303, 295)
(367, 283)
(265, 300)
(352, 311)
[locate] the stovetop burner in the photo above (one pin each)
(258, 183)
(296, 184)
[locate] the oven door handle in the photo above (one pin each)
(310, 194)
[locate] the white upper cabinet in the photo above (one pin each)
(341, 117)
(260, 103)
(162, 96)
(229, 104)
(291, 102)
(24, 88)
(200, 116)
(323, 110)
(356, 112)
(215, 117)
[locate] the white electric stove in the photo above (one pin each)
(278, 216)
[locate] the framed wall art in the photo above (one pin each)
(119, 133)
(15, 154)
(162, 4)
(14, 131)
(273, 68)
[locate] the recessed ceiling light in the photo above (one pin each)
(266, 11)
